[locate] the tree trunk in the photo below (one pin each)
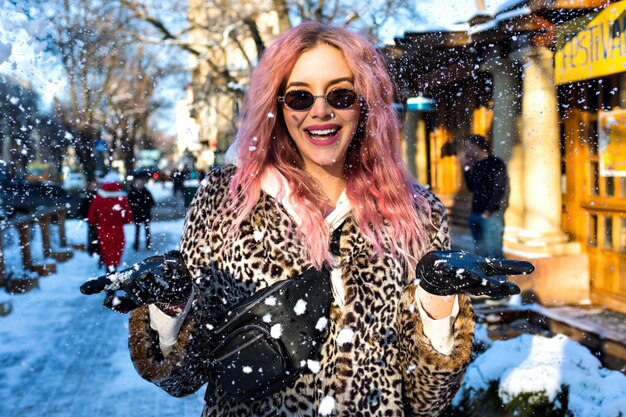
(284, 24)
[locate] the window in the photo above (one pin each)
(607, 243)
(593, 230)
(595, 178)
(609, 183)
(593, 138)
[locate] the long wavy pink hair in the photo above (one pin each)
(379, 187)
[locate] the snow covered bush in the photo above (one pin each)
(539, 376)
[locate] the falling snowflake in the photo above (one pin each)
(345, 336)
(270, 301)
(300, 307)
(276, 331)
(314, 366)
(258, 235)
(247, 370)
(267, 318)
(327, 405)
(321, 323)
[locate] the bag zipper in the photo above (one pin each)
(241, 347)
(249, 304)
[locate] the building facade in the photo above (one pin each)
(544, 82)
(230, 36)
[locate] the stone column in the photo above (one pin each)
(539, 136)
(422, 151)
(415, 145)
(506, 143)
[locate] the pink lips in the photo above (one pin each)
(329, 140)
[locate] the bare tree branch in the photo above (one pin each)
(256, 35)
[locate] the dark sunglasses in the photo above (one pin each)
(301, 100)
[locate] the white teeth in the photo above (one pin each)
(323, 132)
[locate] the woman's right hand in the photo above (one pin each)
(157, 279)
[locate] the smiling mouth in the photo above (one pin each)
(322, 134)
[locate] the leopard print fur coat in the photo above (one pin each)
(389, 368)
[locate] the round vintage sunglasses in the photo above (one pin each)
(301, 100)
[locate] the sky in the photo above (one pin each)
(21, 55)
(442, 14)
(63, 354)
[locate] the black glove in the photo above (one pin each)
(162, 278)
(452, 271)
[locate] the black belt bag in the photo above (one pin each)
(264, 342)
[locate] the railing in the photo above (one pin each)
(23, 223)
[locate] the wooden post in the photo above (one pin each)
(44, 223)
(27, 260)
(61, 221)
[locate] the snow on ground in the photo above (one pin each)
(535, 363)
(63, 354)
(161, 190)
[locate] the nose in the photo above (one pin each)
(320, 108)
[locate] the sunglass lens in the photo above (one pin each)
(299, 100)
(342, 98)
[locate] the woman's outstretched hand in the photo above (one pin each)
(162, 278)
(452, 271)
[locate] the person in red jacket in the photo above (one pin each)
(108, 212)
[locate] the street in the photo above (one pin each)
(63, 354)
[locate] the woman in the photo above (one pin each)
(318, 151)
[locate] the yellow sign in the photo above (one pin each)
(592, 50)
(612, 143)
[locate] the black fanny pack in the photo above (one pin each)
(264, 342)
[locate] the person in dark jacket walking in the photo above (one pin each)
(141, 201)
(178, 178)
(487, 179)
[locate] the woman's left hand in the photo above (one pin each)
(453, 271)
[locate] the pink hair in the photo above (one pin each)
(385, 206)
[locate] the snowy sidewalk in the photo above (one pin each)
(64, 355)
